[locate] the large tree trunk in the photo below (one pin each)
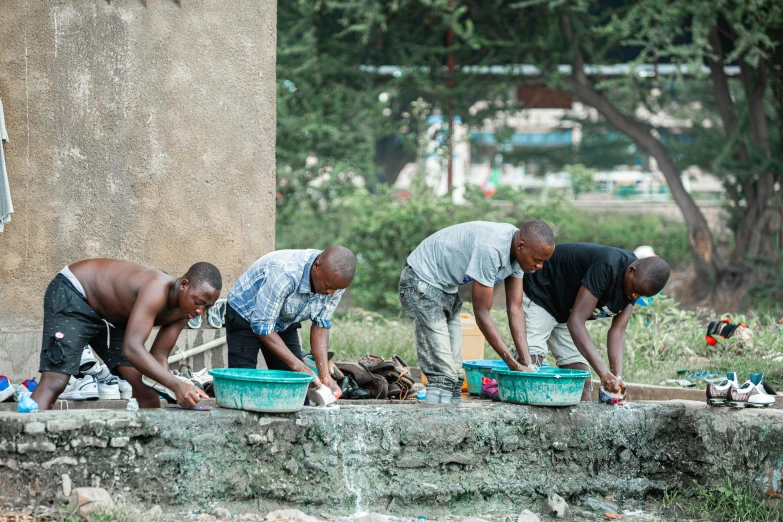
(758, 230)
(699, 236)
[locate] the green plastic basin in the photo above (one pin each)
(268, 391)
(475, 370)
(553, 387)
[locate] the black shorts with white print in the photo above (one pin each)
(70, 324)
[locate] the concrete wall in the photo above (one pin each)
(139, 129)
(402, 460)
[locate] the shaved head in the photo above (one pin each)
(339, 261)
(333, 270)
(532, 245)
(203, 272)
(537, 233)
(653, 274)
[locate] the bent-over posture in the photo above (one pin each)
(112, 305)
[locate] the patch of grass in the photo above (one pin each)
(671, 498)
(737, 503)
(661, 339)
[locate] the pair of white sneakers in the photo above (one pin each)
(753, 393)
(96, 383)
(216, 316)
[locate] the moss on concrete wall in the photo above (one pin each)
(406, 460)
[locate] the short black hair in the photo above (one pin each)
(653, 272)
(340, 261)
(203, 272)
(538, 232)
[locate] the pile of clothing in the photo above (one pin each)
(725, 329)
(373, 377)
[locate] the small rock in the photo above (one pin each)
(255, 438)
(372, 517)
(473, 519)
(528, 516)
(250, 517)
(560, 446)
(555, 505)
(67, 484)
(205, 517)
(289, 514)
(601, 505)
(221, 513)
(154, 513)
(84, 500)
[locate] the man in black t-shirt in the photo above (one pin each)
(581, 282)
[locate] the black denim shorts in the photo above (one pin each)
(70, 324)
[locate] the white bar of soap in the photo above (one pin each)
(321, 396)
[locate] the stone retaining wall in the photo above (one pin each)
(402, 460)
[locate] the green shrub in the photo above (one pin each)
(382, 229)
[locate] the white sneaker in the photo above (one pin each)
(753, 393)
(89, 364)
(717, 394)
(166, 393)
(102, 373)
(84, 389)
(126, 390)
(216, 316)
(202, 379)
(109, 389)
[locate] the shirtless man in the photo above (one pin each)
(113, 305)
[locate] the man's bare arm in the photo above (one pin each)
(615, 341)
(165, 340)
(583, 309)
(138, 329)
(482, 303)
(275, 344)
(516, 318)
(319, 346)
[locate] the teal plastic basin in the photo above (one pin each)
(268, 391)
(475, 370)
(551, 387)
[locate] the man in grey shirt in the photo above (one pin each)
(482, 254)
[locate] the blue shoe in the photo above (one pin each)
(6, 390)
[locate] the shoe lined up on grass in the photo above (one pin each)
(718, 394)
(82, 389)
(753, 393)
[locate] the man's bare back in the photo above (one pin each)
(112, 287)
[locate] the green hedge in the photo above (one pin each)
(383, 228)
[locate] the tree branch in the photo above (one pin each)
(698, 230)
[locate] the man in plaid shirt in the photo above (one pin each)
(269, 301)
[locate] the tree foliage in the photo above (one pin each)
(731, 125)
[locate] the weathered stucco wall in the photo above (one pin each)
(139, 129)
